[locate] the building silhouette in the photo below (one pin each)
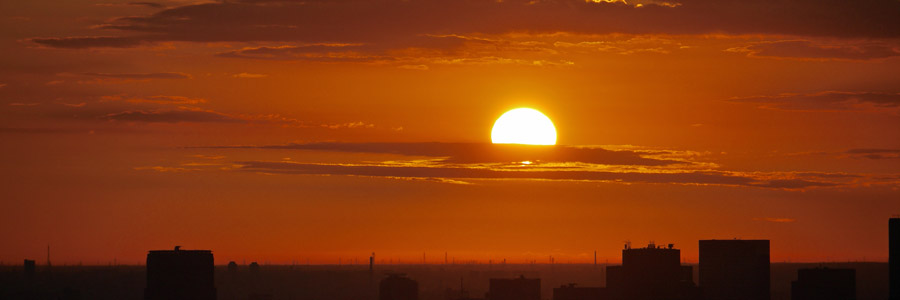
(29, 269)
(572, 292)
(894, 257)
(398, 287)
(824, 284)
(735, 269)
(514, 289)
(651, 273)
(180, 275)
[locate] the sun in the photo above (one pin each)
(524, 126)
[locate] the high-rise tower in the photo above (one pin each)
(735, 269)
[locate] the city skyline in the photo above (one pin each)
(728, 269)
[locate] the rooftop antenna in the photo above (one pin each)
(48, 255)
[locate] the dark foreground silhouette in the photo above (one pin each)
(435, 282)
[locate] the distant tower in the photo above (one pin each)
(372, 262)
(894, 257)
(180, 275)
(735, 269)
(398, 287)
(824, 284)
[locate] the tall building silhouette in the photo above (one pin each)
(180, 275)
(652, 273)
(735, 269)
(824, 284)
(514, 289)
(29, 269)
(894, 257)
(398, 287)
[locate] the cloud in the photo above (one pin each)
(147, 4)
(875, 153)
(313, 52)
(164, 169)
(458, 173)
(249, 75)
(164, 75)
(89, 42)
(38, 130)
(414, 67)
(359, 124)
(395, 21)
(625, 46)
(161, 99)
(144, 4)
(464, 162)
(80, 104)
(491, 153)
(808, 50)
(171, 116)
(826, 101)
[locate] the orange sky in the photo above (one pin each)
(279, 131)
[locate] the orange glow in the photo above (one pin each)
(263, 139)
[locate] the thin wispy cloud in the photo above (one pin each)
(809, 50)
(490, 153)
(826, 101)
(171, 116)
(468, 162)
(584, 173)
(161, 75)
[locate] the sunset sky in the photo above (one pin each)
(280, 130)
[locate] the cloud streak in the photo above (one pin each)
(395, 21)
(493, 153)
(875, 153)
(456, 172)
(808, 50)
(163, 75)
(171, 116)
(89, 42)
(826, 101)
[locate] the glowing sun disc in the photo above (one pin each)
(523, 126)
